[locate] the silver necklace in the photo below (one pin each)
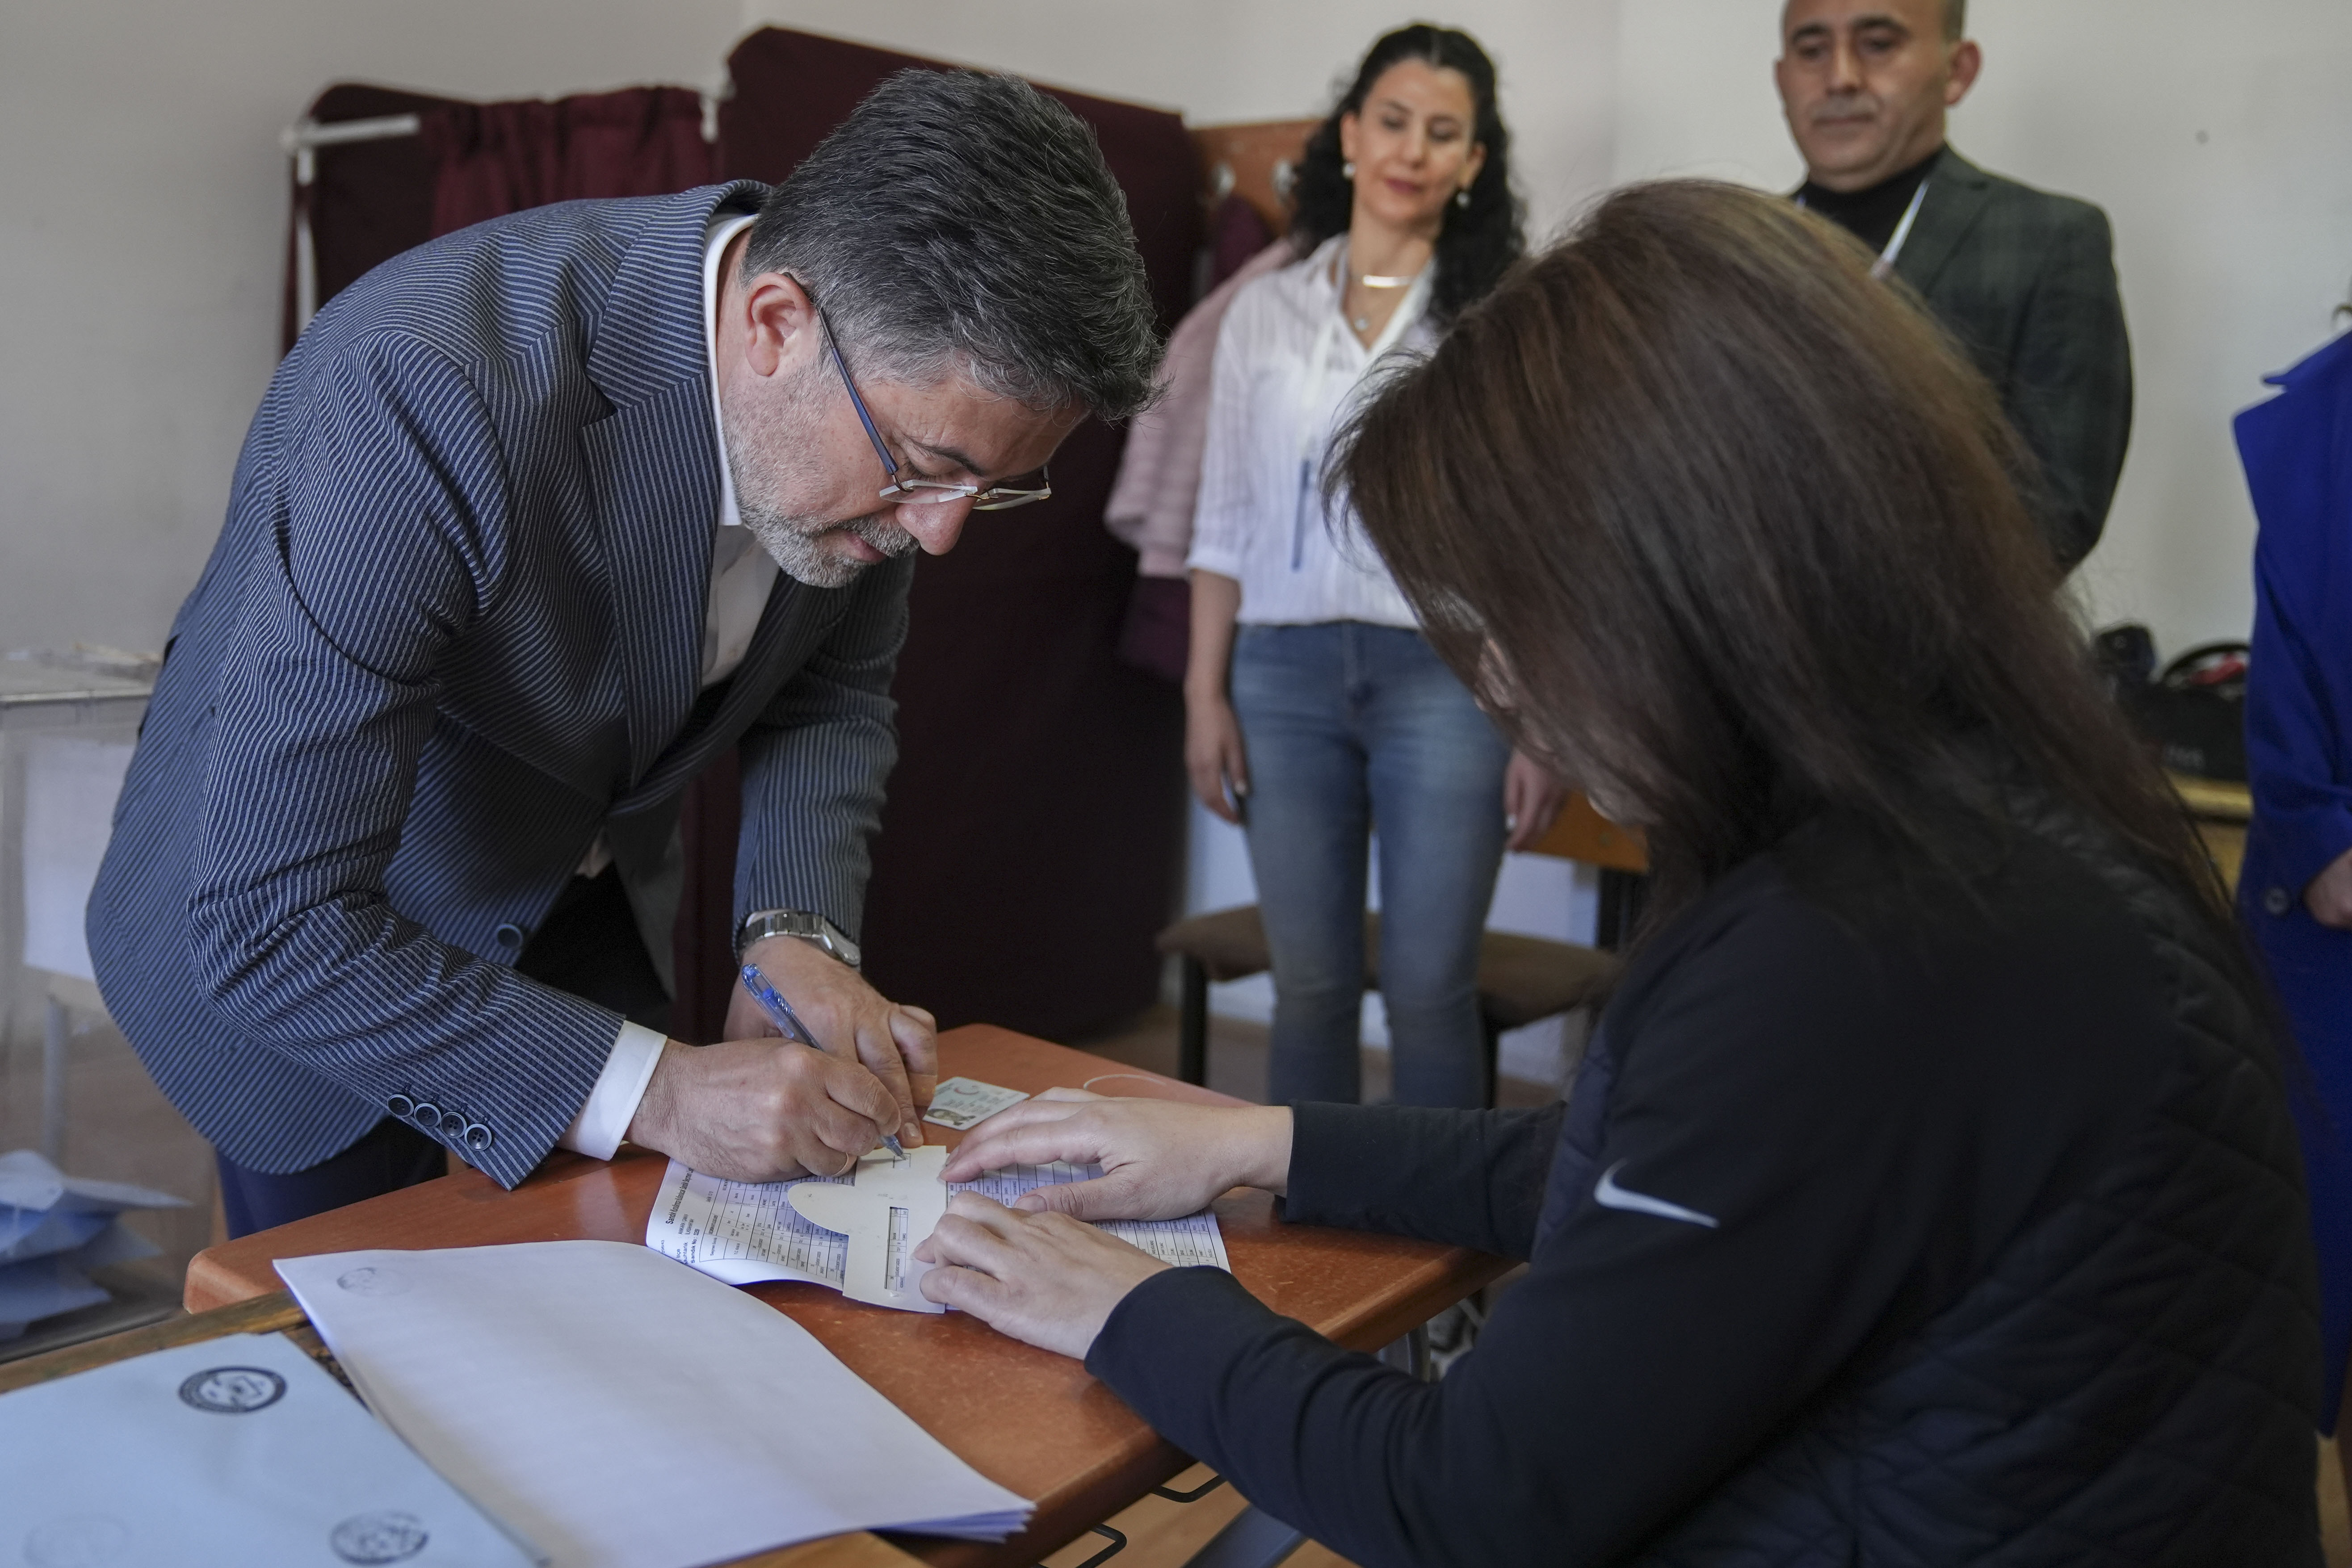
(1378, 280)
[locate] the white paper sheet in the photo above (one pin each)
(623, 1412)
(745, 1232)
(234, 1452)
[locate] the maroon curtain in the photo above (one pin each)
(369, 201)
(491, 159)
(1033, 841)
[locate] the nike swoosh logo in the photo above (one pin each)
(1609, 1196)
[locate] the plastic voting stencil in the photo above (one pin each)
(858, 1231)
(883, 1213)
(231, 1452)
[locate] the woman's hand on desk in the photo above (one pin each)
(1160, 1158)
(1044, 1278)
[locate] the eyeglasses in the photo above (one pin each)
(928, 492)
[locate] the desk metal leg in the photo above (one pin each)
(1252, 1540)
(1192, 1029)
(57, 1033)
(1623, 894)
(1411, 1353)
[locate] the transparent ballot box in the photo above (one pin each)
(70, 1088)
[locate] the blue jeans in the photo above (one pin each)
(1348, 727)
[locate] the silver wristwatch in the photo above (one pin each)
(800, 923)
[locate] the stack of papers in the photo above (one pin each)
(619, 1411)
(746, 1232)
(54, 1227)
(230, 1453)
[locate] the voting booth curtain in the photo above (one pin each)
(1033, 843)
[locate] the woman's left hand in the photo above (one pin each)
(1531, 799)
(1045, 1279)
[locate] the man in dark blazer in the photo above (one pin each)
(533, 521)
(2025, 280)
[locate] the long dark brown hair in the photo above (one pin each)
(1730, 532)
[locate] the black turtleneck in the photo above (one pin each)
(1870, 215)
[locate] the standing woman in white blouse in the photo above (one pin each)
(1315, 711)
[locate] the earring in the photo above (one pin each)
(1462, 197)
(1348, 171)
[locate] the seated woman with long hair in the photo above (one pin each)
(1929, 1194)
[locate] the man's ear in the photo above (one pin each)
(781, 322)
(1966, 61)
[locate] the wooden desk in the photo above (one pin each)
(2222, 812)
(1581, 833)
(1025, 1418)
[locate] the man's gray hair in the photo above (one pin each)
(1956, 20)
(958, 224)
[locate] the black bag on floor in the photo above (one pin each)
(2194, 713)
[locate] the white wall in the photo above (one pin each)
(144, 194)
(2215, 137)
(1225, 61)
(142, 231)
(144, 201)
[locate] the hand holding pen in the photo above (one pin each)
(788, 1024)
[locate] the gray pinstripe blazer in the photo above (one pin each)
(452, 629)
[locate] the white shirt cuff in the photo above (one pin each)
(604, 1122)
(1207, 557)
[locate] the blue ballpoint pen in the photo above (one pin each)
(780, 1013)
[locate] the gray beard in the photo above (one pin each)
(763, 461)
(794, 541)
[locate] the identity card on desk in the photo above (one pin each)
(857, 1233)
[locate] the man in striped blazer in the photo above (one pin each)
(532, 522)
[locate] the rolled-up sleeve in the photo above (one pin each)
(1229, 504)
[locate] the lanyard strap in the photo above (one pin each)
(1884, 264)
(1886, 258)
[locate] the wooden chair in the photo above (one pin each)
(1521, 979)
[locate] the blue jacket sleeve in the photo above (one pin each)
(2298, 450)
(388, 512)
